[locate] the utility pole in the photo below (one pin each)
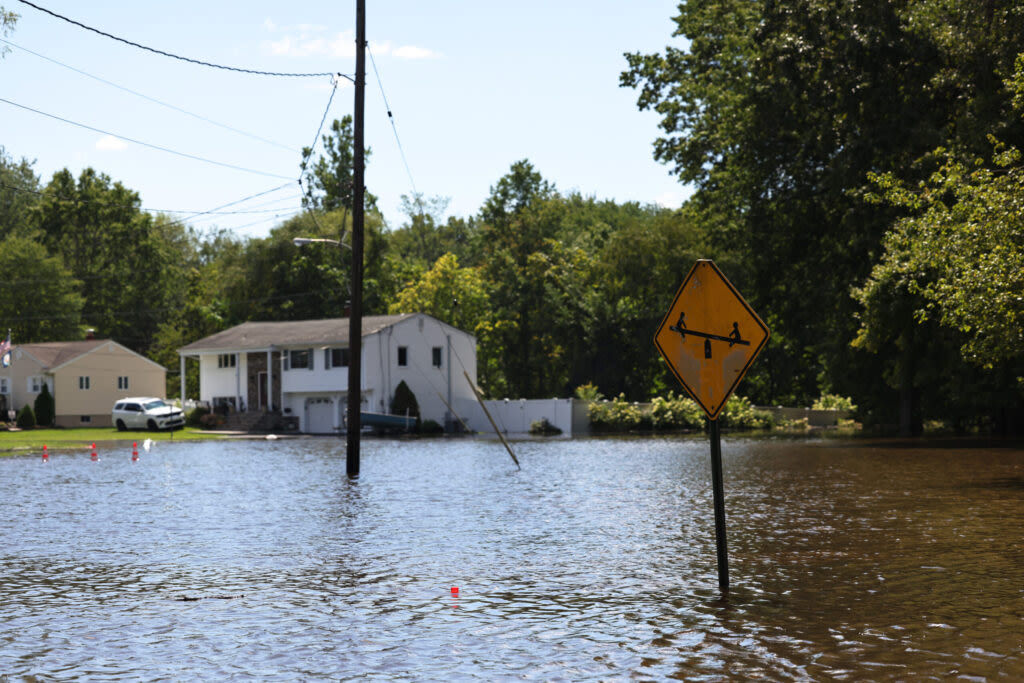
(355, 326)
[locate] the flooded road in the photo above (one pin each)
(849, 560)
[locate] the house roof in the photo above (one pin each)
(261, 335)
(52, 354)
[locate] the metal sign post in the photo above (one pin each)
(710, 337)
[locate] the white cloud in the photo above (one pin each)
(110, 143)
(269, 24)
(413, 52)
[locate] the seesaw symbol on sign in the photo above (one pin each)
(707, 301)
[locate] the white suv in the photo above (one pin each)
(146, 413)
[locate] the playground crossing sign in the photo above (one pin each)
(710, 336)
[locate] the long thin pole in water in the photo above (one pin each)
(355, 320)
(716, 484)
(497, 431)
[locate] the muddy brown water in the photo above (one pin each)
(849, 560)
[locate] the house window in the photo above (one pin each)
(435, 356)
(122, 383)
(336, 358)
(35, 384)
(403, 356)
(227, 360)
(83, 383)
(85, 419)
(300, 359)
(3, 386)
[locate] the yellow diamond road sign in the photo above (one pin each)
(710, 337)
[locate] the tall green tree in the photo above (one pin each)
(128, 261)
(42, 302)
(19, 191)
(777, 113)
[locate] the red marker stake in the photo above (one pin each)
(135, 451)
(93, 454)
(46, 456)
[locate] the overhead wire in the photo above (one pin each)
(164, 53)
(186, 155)
(394, 128)
(151, 99)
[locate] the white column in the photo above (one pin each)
(270, 379)
(181, 365)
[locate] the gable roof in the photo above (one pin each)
(54, 355)
(262, 335)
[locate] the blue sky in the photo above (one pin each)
(473, 87)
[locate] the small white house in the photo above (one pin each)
(300, 368)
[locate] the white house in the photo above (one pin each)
(300, 368)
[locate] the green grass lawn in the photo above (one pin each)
(83, 437)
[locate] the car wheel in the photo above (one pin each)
(152, 425)
(120, 426)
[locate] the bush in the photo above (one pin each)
(542, 427)
(26, 418)
(404, 402)
(195, 416)
(211, 420)
(45, 407)
(675, 413)
(834, 402)
(431, 427)
(588, 392)
(740, 413)
(618, 415)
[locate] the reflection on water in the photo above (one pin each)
(849, 561)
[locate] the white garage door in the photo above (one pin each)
(319, 415)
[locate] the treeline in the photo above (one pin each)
(858, 176)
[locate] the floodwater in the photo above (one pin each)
(849, 560)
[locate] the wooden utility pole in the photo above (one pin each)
(355, 327)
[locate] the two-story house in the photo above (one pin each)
(300, 368)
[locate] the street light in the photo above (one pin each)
(355, 343)
(303, 241)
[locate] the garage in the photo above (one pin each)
(320, 416)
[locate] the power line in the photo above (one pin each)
(151, 99)
(145, 144)
(179, 57)
(391, 118)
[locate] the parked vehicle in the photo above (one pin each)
(146, 413)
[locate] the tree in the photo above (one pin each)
(328, 182)
(7, 21)
(778, 112)
(19, 189)
(45, 407)
(42, 302)
(129, 262)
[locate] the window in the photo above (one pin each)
(122, 383)
(35, 384)
(300, 359)
(336, 358)
(85, 419)
(83, 383)
(435, 356)
(227, 360)
(3, 386)
(403, 356)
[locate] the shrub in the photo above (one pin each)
(404, 402)
(618, 415)
(45, 407)
(542, 427)
(195, 416)
(588, 392)
(834, 402)
(675, 413)
(211, 421)
(431, 427)
(740, 413)
(26, 418)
